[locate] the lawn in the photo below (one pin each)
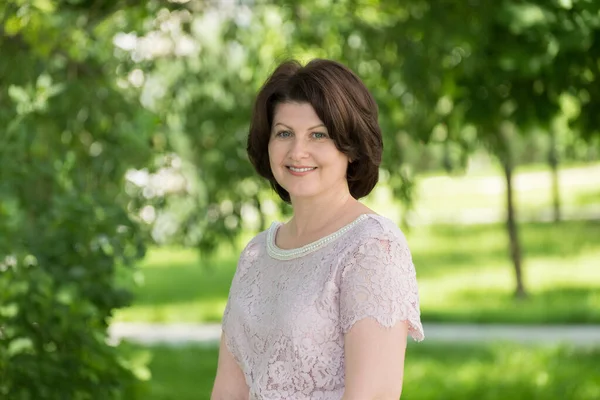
(491, 372)
(463, 269)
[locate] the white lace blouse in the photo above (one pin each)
(288, 310)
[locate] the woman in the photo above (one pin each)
(320, 307)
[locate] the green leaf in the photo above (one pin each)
(18, 94)
(44, 81)
(9, 310)
(20, 346)
(13, 25)
(46, 6)
(65, 296)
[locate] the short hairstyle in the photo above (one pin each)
(341, 101)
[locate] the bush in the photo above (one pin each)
(67, 227)
(53, 341)
(57, 293)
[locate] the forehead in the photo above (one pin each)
(296, 115)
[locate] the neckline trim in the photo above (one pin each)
(289, 254)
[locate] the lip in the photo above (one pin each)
(295, 173)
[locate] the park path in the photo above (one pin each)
(208, 334)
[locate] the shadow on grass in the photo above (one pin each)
(182, 373)
(500, 371)
(551, 306)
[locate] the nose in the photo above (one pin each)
(298, 149)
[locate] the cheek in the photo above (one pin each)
(274, 152)
(341, 161)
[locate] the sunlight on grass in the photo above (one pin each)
(207, 310)
(448, 197)
(558, 293)
(170, 257)
(582, 271)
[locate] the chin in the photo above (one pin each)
(303, 194)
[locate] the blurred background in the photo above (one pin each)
(126, 194)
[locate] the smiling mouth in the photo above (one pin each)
(303, 169)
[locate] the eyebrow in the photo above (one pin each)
(313, 127)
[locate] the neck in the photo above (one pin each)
(313, 214)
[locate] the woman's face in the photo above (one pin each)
(303, 157)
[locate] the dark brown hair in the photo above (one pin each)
(341, 101)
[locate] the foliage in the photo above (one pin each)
(201, 79)
(66, 225)
(53, 342)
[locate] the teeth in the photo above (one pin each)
(301, 169)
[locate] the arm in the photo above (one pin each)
(230, 383)
(379, 307)
(374, 360)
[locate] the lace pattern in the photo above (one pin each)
(285, 319)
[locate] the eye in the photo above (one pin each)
(319, 135)
(284, 134)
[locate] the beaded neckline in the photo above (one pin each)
(289, 254)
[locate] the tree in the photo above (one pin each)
(201, 83)
(504, 67)
(67, 227)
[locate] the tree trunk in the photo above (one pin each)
(553, 161)
(513, 232)
(447, 161)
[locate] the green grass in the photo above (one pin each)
(432, 371)
(176, 288)
(464, 275)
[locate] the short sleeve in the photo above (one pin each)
(379, 281)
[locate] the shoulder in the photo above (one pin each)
(377, 236)
(254, 250)
(379, 228)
